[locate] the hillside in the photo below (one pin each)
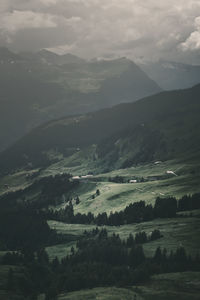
(178, 285)
(99, 150)
(163, 126)
(37, 87)
(172, 75)
(77, 235)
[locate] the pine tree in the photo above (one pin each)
(77, 200)
(130, 241)
(10, 280)
(158, 255)
(97, 192)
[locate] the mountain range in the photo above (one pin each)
(172, 75)
(37, 87)
(163, 126)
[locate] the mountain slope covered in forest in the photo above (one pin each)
(157, 127)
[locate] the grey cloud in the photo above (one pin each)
(17, 20)
(151, 29)
(193, 41)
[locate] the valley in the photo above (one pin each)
(182, 230)
(99, 150)
(106, 193)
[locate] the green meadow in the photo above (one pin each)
(110, 293)
(171, 286)
(116, 196)
(184, 231)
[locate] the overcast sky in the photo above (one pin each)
(139, 29)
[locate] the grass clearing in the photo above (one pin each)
(171, 286)
(184, 231)
(60, 250)
(75, 230)
(116, 196)
(13, 182)
(110, 293)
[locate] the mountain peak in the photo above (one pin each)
(46, 52)
(54, 58)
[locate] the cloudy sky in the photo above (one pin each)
(140, 29)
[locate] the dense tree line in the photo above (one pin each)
(98, 261)
(23, 225)
(134, 213)
(49, 192)
(121, 179)
(24, 229)
(117, 179)
(22, 221)
(140, 237)
(189, 202)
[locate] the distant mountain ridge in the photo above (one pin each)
(50, 57)
(37, 87)
(172, 75)
(162, 126)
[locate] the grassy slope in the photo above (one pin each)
(114, 196)
(187, 169)
(175, 231)
(110, 293)
(15, 181)
(171, 286)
